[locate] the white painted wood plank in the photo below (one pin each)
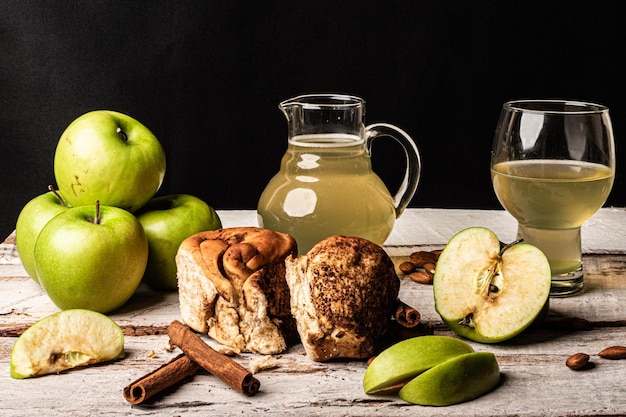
(605, 232)
(536, 381)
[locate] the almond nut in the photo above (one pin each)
(407, 267)
(422, 277)
(613, 352)
(429, 267)
(422, 257)
(577, 361)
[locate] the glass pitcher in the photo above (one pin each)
(326, 185)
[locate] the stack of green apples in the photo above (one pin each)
(90, 243)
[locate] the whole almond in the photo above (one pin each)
(613, 352)
(429, 267)
(407, 267)
(422, 277)
(422, 257)
(577, 361)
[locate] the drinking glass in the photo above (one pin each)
(552, 168)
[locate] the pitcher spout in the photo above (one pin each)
(314, 114)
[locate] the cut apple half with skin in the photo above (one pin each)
(487, 291)
(64, 340)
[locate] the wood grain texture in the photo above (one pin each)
(535, 380)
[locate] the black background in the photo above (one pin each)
(206, 78)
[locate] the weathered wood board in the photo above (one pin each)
(535, 380)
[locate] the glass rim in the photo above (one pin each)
(323, 100)
(548, 106)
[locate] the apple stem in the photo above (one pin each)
(96, 219)
(122, 134)
(503, 248)
(54, 191)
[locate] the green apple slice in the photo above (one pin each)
(65, 340)
(489, 292)
(462, 378)
(408, 358)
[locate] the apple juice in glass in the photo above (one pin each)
(552, 168)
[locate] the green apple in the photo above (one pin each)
(404, 360)
(462, 378)
(167, 221)
(91, 257)
(111, 157)
(66, 340)
(489, 292)
(32, 218)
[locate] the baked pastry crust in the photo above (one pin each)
(232, 286)
(343, 294)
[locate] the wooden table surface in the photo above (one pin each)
(536, 381)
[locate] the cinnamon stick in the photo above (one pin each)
(406, 315)
(223, 367)
(161, 378)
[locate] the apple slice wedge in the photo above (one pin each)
(489, 292)
(408, 358)
(462, 378)
(65, 340)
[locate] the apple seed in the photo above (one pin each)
(54, 357)
(467, 321)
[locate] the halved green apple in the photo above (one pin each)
(64, 340)
(489, 292)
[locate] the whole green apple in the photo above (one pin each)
(167, 221)
(32, 218)
(91, 257)
(111, 157)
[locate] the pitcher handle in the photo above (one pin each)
(413, 162)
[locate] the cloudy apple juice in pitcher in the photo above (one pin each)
(326, 185)
(317, 194)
